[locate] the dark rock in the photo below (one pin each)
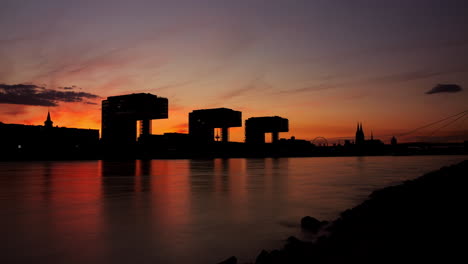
(294, 243)
(321, 239)
(275, 253)
(419, 221)
(263, 257)
(231, 260)
(311, 224)
(293, 240)
(276, 257)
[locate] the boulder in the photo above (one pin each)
(311, 224)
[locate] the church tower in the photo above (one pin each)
(359, 135)
(48, 123)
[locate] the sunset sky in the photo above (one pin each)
(324, 65)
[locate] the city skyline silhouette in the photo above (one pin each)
(127, 133)
(145, 126)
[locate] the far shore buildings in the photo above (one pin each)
(208, 136)
(361, 143)
(46, 139)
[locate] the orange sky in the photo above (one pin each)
(322, 65)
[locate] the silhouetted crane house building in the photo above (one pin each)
(202, 123)
(256, 127)
(121, 113)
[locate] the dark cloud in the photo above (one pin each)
(31, 94)
(445, 88)
(68, 87)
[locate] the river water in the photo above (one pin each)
(180, 211)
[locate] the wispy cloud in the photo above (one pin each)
(246, 92)
(311, 88)
(31, 94)
(180, 128)
(14, 111)
(236, 93)
(416, 75)
(383, 79)
(257, 83)
(73, 66)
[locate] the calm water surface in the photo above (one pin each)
(180, 211)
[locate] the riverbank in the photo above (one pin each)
(417, 221)
(296, 148)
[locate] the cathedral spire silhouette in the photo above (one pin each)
(48, 123)
(359, 135)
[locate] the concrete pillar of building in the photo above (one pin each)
(274, 137)
(225, 134)
(145, 127)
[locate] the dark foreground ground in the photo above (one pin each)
(418, 221)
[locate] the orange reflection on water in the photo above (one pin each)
(75, 208)
(64, 211)
(229, 181)
(170, 192)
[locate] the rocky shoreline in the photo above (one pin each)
(421, 220)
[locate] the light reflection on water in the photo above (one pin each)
(179, 211)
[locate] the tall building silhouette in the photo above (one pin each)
(256, 127)
(203, 122)
(48, 123)
(121, 113)
(371, 145)
(360, 139)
